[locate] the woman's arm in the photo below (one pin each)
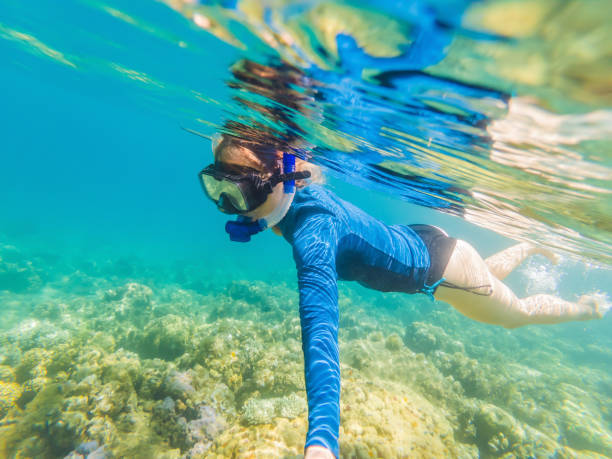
(314, 250)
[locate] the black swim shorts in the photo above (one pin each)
(440, 246)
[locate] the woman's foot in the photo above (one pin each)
(598, 302)
(553, 257)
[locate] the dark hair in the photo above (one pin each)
(285, 94)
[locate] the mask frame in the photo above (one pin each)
(242, 189)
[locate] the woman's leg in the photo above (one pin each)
(488, 299)
(503, 263)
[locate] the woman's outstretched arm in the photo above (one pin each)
(314, 250)
(484, 297)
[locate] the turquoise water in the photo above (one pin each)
(130, 320)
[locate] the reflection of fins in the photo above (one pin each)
(199, 134)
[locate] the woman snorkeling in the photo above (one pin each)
(259, 174)
(333, 240)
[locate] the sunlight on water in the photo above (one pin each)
(33, 45)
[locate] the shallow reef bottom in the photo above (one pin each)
(94, 365)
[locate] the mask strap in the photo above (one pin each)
(215, 140)
(293, 176)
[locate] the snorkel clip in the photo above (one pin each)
(288, 168)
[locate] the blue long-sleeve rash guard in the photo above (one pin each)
(333, 240)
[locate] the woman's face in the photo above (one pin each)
(242, 156)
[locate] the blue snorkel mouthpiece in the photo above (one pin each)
(242, 229)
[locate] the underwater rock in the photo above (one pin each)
(372, 359)
(179, 383)
(256, 301)
(31, 373)
(426, 338)
(104, 341)
(258, 411)
(500, 435)
(584, 429)
(166, 338)
(49, 310)
(9, 394)
(54, 429)
(355, 319)
(122, 367)
(496, 430)
(420, 338)
(151, 384)
(219, 351)
(249, 357)
(194, 436)
(34, 333)
(207, 426)
(132, 295)
(376, 336)
(361, 354)
(410, 425)
(168, 405)
(132, 302)
(291, 406)
(6, 374)
(169, 424)
(263, 411)
(89, 450)
(285, 438)
(477, 379)
(174, 300)
(279, 371)
(394, 342)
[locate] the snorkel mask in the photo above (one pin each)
(240, 190)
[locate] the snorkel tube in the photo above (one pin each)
(243, 228)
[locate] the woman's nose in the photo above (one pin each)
(225, 205)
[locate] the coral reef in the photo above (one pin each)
(263, 411)
(106, 366)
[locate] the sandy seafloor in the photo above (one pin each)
(117, 358)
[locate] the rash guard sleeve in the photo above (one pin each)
(314, 249)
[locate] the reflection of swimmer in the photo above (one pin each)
(388, 44)
(328, 35)
(333, 240)
(292, 103)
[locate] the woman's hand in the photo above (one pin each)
(318, 452)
